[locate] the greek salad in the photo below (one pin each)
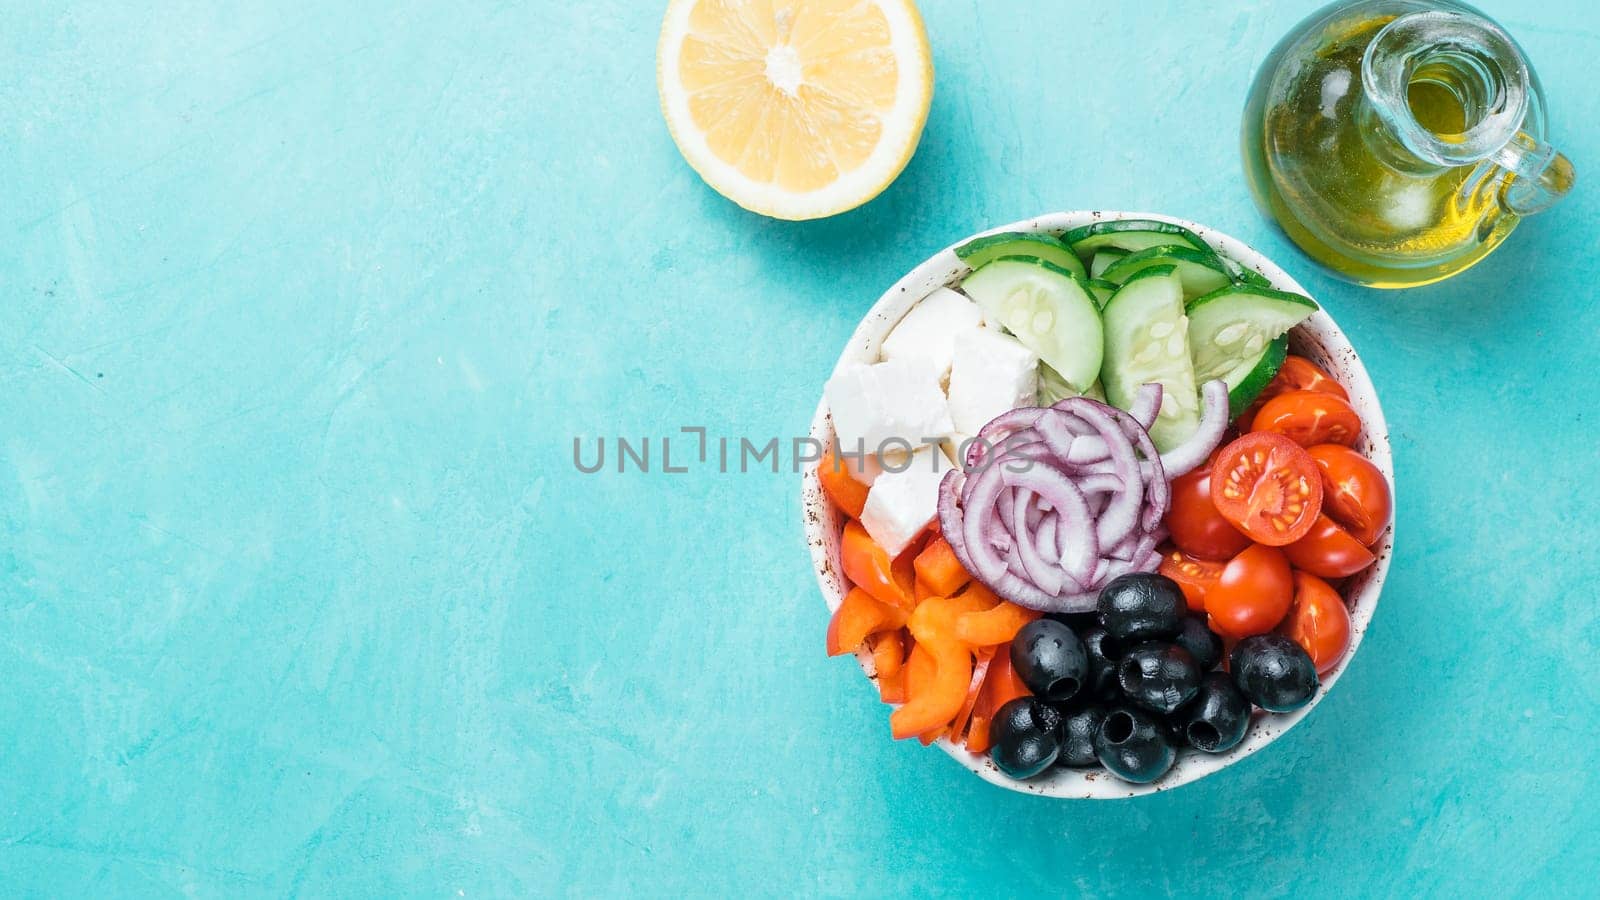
(1095, 513)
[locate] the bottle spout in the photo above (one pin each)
(1540, 175)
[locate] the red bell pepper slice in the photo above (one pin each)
(842, 488)
(859, 617)
(938, 567)
(935, 700)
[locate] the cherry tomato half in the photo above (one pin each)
(1318, 621)
(1329, 551)
(1309, 417)
(1252, 594)
(1194, 523)
(1268, 487)
(1194, 576)
(1296, 374)
(1354, 492)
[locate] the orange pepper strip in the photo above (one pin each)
(983, 657)
(938, 567)
(859, 617)
(922, 592)
(841, 487)
(869, 568)
(993, 626)
(934, 703)
(903, 571)
(1000, 687)
(921, 672)
(889, 652)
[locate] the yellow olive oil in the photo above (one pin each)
(1342, 183)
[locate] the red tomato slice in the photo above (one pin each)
(1309, 417)
(1194, 523)
(1253, 593)
(1329, 551)
(1354, 492)
(1194, 576)
(1267, 487)
(1318, 621)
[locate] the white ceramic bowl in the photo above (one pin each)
(1318, 339)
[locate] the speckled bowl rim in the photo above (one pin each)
(1318, 338)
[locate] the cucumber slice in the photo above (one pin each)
(1146, 341)
(1250, 378)
(1053, 388)
(1232, 326)
(1201, 273)
(1131, 235)
(1048, 308)
(1247, 275)
(1102, 290)
(979, 251)
(1105, 259)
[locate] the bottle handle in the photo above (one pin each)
(1540, 175)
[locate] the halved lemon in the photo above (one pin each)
(795, 109)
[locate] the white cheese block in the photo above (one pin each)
(928, 332)
(902, 503)
(990, 373)
(889, 402)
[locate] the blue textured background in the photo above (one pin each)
(301, 305)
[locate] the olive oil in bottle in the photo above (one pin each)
(1397, 141)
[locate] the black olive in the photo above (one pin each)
(1216, 720)
(1049, 659)
(1103, 655)
(1272, 672)
(1202, 643)
(1027, 737)
(1142, 607)
(1158, 677)
(1078, 728)
(1133, 745)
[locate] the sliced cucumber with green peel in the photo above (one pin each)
(1147, 341)
(1053, 388)
(1050, 310)
(1105, 259)
(1131, 235)
(1201, 273)
(1102, 290)
(1247, 381)
(979, 251)
(1233, 326)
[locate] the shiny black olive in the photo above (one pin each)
(1216, 720)
(1078, 728)
(1272, 672)
(1158, 677)
(1142, 607)
(1027, 737)
(1202, 643)
(1049, 659)
(1103, 655)
(1133, 745)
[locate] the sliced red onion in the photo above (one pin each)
(1046, 539)
(1056, 502)
(1121, 514)
(1146, 405)
(1213, 422)
(1052, 427)
(1046, 577)
(1049, 482)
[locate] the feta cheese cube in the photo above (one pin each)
(872, 404)
(990, 373)
(928, 332)
(902, 503)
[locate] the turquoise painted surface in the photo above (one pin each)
(301, 306)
